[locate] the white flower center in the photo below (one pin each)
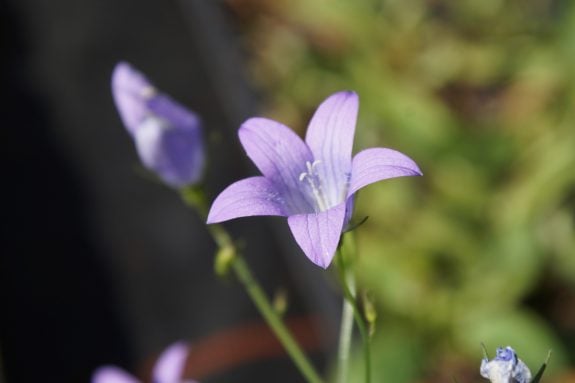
(313, 181)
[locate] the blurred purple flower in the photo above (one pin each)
(168, 369)
(311, 183)
(506, 367)
(168, 136)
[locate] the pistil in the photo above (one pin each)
(314, 182)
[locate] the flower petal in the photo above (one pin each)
(247, 197)
(172, 111)
(376, 164)
(318, 233)
(281, 156)
(130, 90)
(170, 366)
(111, 374)
(175, 153)
(330, 138)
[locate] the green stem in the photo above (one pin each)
(273, 320)
(195, 199)
(347, 281)
(345, 334)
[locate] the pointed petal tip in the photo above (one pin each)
(112, 374)
(324, 265)
(251, 120)
(119, 68)
(216, 214)
(255, 123)
(345, 94)
(171, 363)
(124, 74)
(416, 170)
(351, 93)
(213, 217)
(318, 234)
(122, 66)
(339, 99)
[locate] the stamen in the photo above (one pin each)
(345, 188)
(309, 167)
(314, 183)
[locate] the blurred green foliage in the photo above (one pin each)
(481, 94)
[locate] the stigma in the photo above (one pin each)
(313, 181)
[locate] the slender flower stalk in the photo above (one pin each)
(345, 335)
(312, 183)
(344, 262)
(194, 198)
(347, 317)
(167, 136)
(274, 321)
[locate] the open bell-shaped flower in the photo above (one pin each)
(168, 369)
(312, 183)
(167, 136)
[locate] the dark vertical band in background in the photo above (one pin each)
(100, 265)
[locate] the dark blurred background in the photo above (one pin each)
(100, 264)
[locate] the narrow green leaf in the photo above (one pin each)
(539, 374)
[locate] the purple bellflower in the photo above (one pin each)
(168, 369)
(312, 183)
(506, 367)
(167, 136)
